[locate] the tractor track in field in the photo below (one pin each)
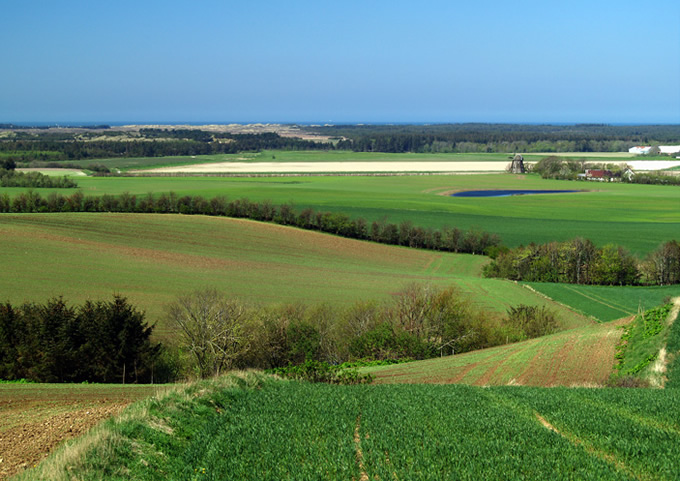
(363, 476)
(594, 451)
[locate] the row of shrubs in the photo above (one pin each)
(405, 233)
(579, 261)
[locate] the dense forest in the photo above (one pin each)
(27, 145)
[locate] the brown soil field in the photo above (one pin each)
(37, 418)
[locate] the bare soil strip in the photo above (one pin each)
(359, 454)
(658, 377)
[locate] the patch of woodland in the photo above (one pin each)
(579, 261)
(103, 341)
(325, 344)
(110, 342)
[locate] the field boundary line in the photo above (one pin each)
(566, 306)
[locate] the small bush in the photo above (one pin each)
(532, 321)
(315, 371)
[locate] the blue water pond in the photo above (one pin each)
(507, 193)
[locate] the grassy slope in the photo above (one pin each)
(638, 217)
(582, 356)
(153, 258)
(249, 427)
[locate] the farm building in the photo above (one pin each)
(600, 175)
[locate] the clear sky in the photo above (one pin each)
(341, 61)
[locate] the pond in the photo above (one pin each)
(508, 193)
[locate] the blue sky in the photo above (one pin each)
(350, 61)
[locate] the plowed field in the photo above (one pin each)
(36, 418)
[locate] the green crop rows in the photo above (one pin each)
(281, 430)
(607, 303)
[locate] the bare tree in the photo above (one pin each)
(213, 328)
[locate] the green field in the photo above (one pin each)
(131, 163)
(152, 259)
(607, 303)
(256, 428)
(638, 217)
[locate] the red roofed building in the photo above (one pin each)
(601, 175)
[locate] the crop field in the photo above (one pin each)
(638, 217)
(607, 303)
(37, 417)
(151, 259)
(578, 357)
(291, 431)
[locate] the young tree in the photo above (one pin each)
(213, 328)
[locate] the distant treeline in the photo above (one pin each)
(579, 261)
(30, 146)
(39, 147)
(498, 137)
(404, 234)
(95, 342)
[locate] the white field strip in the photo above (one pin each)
(328, 167)
(653, 164)
(332, 167)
